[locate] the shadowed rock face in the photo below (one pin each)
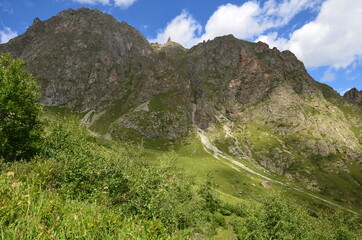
(353, 95)
(253, 102)
(85, 59)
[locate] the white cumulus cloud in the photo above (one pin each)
(6, 34)
(328, 76)
(251, 19)
(183, 29)
(124, 3)
(237, 20)
(246, 21)
(273, 40)
(333, 38)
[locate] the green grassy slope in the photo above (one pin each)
(88, 188)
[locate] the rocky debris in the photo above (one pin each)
(353, 95)
(265, 184)
(143, 107)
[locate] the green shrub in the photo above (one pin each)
(121, 176)
(19, 111)
(276, 217)
(207, 191)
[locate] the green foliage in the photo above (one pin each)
(77, 170)
(19, 111)
(284, 219)
(277, 217)
(109, 117)
(165, 102)
(30, 212)
(212, 203)
(260, 55)
(77, 188)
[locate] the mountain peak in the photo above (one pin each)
(169, 40)
(86, 47)
(353, 95)
(36, 21)
(84, 11)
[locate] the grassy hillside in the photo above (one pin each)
(83, 187)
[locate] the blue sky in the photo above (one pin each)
(325, 34)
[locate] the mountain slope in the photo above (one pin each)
(86, 60)
(254, 103)
(261, 105)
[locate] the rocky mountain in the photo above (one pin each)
(254, 103)
(88, 61)
(353, 95)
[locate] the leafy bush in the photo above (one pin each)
(115, 175)
(19, 111)
(274, 218)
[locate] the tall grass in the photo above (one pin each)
(80, 188)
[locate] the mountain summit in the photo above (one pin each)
(85, 59)
(251, 102)
(353, 95)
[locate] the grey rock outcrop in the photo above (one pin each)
(84, 59)
(353, 95)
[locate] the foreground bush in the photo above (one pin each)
(19, 111)
(74, 176)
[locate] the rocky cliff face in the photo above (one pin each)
(255, 103)
(86, 60)
(353, 95)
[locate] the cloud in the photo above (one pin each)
(6, 8)
(245, 21)
(6, 34)
(273, 40)
(284, 11)
(93, 2)
(328, 76)
(333, 38)
(237, 20)
(183, 29)
(251, 19)
(124, 3)
(29, 4)
(116, 3)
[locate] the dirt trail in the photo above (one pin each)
(230, 161)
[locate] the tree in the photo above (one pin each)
(20, 109)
